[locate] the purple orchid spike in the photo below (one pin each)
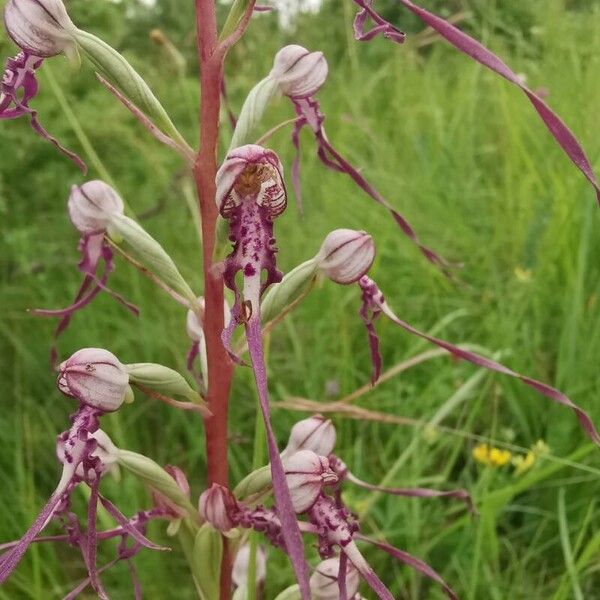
(41, 29)
(251, 194)
(474, 49)
(374, 304)
(300, 74)
(90, 207)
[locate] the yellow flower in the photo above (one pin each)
(523, 275)
(525, 462)
(490, 456)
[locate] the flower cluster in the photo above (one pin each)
(314, 477)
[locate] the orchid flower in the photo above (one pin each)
(90, 206)
(374, 305)
(41, 30)
(308, 477)
(98, 381)
(474, 49)
(250, 195)
(309, 70)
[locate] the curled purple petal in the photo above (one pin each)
(19, 86)
(92, 542)
(373, 295)
(381, 26)
(417, 492)
(471, 47)
(93, 249)
(309, 113)
(128, 528)
(413, 562)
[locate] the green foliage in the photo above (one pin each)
(463, 157)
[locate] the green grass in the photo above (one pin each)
(462, 155)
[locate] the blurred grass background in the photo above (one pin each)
(463, 157)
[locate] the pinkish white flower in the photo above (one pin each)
(306, 473)
(324, 581)
(215, 506)
(315, 433)
(241, 564)
(346, 255)
(298, 72)
(95, 377)
(91, 206)
(40, 27)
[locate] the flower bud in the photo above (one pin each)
(306, 473)
(40, 27)
(95, 377)
(315, 433)
(105, 451)
(242, 563)
(162, 481)
(289, 289)
(251, 171)
(215, 505)
(151, 254)
(161, 379)
(91, 206)
(164, 502)
(324, 581)
(298, 72)
(346, 255)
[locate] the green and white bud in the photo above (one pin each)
(290, 288)
(153, 475)
(206, 561)
(255, 484)
(151, 254)
(162, 380)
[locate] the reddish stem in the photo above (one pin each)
(220, 368)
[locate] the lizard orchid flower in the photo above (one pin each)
(251, 194)
(96, 378)
(374, 305)
(41, 29)
(90, 207)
